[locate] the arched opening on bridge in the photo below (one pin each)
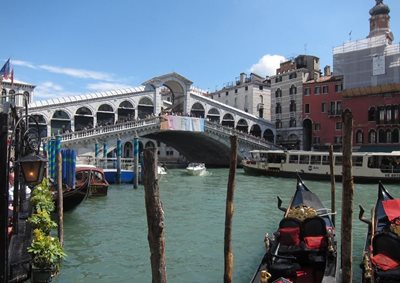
(60, 122)
(42, 124)
(145, 107)
(83, 119)
(242, 126)
(126, 112)
(213, 115)
(177, 96)
(307, 135)
(269, 135)
(149, 144)
(255, 130)
(228, 120)
(197, 110)
(128, 150)
(105, 115)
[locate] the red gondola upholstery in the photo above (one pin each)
(314, 233)
(289, 232)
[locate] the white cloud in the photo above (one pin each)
(78, 73)
(267, 65)
(103, 86)
(23, 63)
(47, 90)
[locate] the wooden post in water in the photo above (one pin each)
(333, 188)
(229, 212)
(347, 197)
(136, 161)
(60, 207)
(155, 217)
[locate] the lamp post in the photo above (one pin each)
(26, 142)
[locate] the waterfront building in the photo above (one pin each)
(287, 98)
(371, 83)
(16, 92)
(251, 94)
(322, 100)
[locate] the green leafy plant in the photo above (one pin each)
(42, 198)
(46, 251)
(42, 220)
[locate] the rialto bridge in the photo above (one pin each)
(104, 117)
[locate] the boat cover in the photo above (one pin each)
(392, 208)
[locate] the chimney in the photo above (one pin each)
(327, 71)
(242, 78)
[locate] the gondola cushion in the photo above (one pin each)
(289, 236)
(384, 262)
(315, 242)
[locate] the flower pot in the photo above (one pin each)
(41, 275)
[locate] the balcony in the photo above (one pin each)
(335, 112)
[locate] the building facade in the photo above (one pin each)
(371, 79)
(287, 98)
(250, 94)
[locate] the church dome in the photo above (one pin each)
(379, 9)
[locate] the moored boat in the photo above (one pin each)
(196, 169)
(98, 184)
(304, 247)
(368, 167)
(72, 197)
(381, 255)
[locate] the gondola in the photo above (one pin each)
(98, 184)
(303, 249)
(72, 197)
(381, 255)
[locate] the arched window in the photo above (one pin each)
(278, 124)
(372, 136)
(278, 108)
(278, 93)
(381, 136)
(292, 106)
(395, 136)
(293, 90)
(359, 136)
(372, 114)
(3, 96)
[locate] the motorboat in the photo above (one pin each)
(196, 169)
(98, 184)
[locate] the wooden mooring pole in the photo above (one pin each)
(347, 197)
(60, 207)
(333, 186)
(155, 217)
(229, 212)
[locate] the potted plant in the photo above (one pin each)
(41, 220)
(47, 254)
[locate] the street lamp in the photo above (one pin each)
(32, 166)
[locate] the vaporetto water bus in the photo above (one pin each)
(368, 167)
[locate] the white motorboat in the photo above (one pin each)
(196, 169)
(161, 170)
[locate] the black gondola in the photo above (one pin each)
(381, 256)
(72, 197)
(304, 247)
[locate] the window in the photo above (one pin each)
(338, 160)
(381, 114)
(316, 140)
(357, 161)
(219, 95)
(261, 87)
(307, 91)
(315, 159)
(246, 88)
(278, 79)
(325, 160)
(371, 114)
(317, 90)
(359, 136)
(226, 93)
(338, 125)
(338, 87)
(388, 114)
(236, 91)
(3, 94)
(278, 93)
(307, 108)
(292, 122)
(293, 159)
(372, 136)
(325, 89)
(292, 90)
(292, 107)
(278, 108)
(278, 124)
(317, 127)
(304, 159)
(293, 76)
(323, 107)
(337, 140)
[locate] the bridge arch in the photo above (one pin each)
(60, 122)
(145, 107)
(105, 115)
(126, 111)
(83, 118)
(228, 120)
(269, 135)
(197, 110)
(255, 130)
(42, 124)
(213, 115)
(242, 126)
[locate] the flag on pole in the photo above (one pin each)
(5, 71)
(12, 76)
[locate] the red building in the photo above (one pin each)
(322, 110)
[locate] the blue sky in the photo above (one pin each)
(74, 47)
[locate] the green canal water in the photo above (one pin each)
(106, 238)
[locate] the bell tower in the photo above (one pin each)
(379, 23)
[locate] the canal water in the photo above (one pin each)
(106, 238)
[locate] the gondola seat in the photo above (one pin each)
(386, 256)
(284, 268)
(289, 236)
(315, 242)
